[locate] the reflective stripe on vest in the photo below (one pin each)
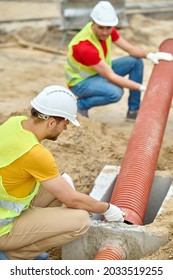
(83, 74)
(12, 206)
(5, 222)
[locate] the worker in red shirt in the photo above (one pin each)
(93, 76)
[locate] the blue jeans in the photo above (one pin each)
(98, 91)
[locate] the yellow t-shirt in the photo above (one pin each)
(20, 177)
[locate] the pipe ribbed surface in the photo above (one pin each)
(134, 182)
(110, 252)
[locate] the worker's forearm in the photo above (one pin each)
(85, 202)
(105, 71)
(137, 52)
(123, 82)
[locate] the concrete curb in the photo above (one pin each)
(137, 241)
(133, 239)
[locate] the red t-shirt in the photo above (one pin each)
(86, 53)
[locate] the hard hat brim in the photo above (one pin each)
(106, 23)
(75, 122)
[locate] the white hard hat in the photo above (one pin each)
(57, 101)
(104, 14)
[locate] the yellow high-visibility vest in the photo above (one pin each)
(75, 71)
(15, 142)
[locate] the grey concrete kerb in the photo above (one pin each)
(135, 241)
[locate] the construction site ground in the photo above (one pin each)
(31, 58)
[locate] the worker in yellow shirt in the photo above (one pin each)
(39, 207)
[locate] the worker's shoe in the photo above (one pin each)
(3, 256)
(131, 115)
(43, 256)
(83, 112)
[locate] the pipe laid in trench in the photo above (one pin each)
(110, 252)
(133, 185)
(132, 188)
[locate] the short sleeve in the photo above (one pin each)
(40, 164)
(115, 35)
(86, 53)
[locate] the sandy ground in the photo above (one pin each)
(100, 140)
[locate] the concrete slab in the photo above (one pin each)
(161, 190)
(103, 185)
(135, 241)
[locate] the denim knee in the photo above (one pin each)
(113, 97)
(140, 63)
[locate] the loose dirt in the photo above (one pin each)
(100, 140)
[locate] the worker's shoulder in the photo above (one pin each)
(40, 150)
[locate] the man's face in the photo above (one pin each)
(101, 32)
(56, 130)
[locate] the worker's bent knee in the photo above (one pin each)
(139, 64)
(114, 96)
(84, 222)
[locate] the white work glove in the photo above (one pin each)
(68, 179)
(114, 214)
(142, 88)
(155, 57)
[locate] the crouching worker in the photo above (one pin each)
(32, 190)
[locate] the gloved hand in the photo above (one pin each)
(155, 57)
(114, 214)
(68, 179)
(142, 88)
(164, 56)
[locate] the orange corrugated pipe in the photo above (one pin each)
(134, 182)
(110, 252)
